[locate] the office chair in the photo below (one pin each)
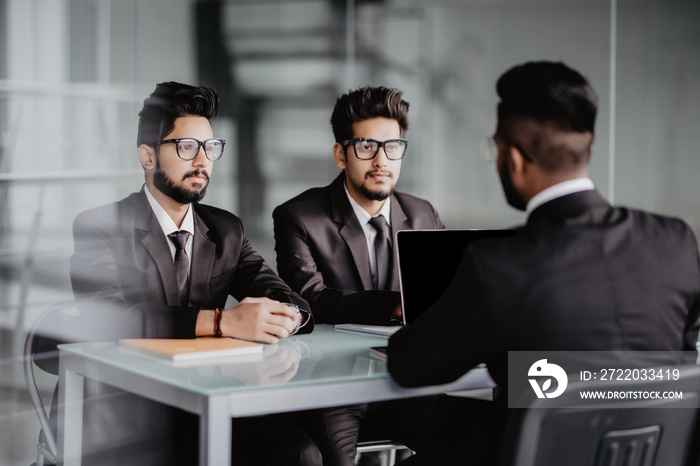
(574, 432)
(63, 323)
(54, 326)
(388, 449)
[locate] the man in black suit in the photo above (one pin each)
(580, 275)
(169, 263)
(323, 237)
(327, 250)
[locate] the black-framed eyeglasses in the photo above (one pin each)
(367, 149)
(489, 149)
(188, 148)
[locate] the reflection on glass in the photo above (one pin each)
(279, 364)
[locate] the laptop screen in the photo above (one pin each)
(428, 260)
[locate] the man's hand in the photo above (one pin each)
(259, 319)
(397, 314)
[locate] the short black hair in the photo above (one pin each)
(366, 103)
(550, 93)
(555, 98)
(170, 101)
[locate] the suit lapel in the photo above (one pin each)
(203, 255)
(153, 240)
(350, 230)
(399, 222)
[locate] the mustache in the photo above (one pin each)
(196, 173)
(379, 172)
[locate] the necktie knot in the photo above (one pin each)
(179, 238)
(379, 224)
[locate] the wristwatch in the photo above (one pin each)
(299, 316)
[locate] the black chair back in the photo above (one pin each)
(573, 431)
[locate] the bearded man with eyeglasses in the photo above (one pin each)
(335, 247)
(169, 263)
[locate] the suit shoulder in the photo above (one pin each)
(106, 215)
(413, 205)
(97, 214)
(410, 199)
(217, 216)
(653, 221)
(665, 226)
(313, 199)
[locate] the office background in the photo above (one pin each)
(74, 73)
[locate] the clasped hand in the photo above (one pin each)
(259, 319)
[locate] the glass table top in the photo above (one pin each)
(324, 356)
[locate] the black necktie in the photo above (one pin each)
(381, 249)
(182, 263)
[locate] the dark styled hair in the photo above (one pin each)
(170, 101)
(550, 93)
(365, 103)
(557, 99)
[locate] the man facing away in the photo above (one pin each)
(170, 263)
(335, 247)
(580, 275)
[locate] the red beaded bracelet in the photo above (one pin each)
(217, 323)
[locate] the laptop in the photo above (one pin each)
(427, 262)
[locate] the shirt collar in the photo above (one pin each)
(166, 223)
(558, 190)
(362, 214)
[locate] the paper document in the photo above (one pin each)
(383, 330)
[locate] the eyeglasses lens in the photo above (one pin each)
(366, 149)
(489, 150)
(214, 148)
(188, 148)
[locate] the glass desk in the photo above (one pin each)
(325, 368)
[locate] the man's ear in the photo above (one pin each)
(147, 156)
(516, 161)
(339, 156)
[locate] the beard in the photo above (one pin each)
(378, 194)
(179, 194)
(375, 195)
(512, 196)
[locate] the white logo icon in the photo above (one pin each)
(542, 368)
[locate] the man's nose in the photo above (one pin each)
(201, 160)
(380, 160)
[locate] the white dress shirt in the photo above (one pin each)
(168, 225)
(370, 232)
(558, 190)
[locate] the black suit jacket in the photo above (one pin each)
(122, 257)
(580, 275)
(322, 252)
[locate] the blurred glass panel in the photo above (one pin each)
(658, 107)
(73, 75)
